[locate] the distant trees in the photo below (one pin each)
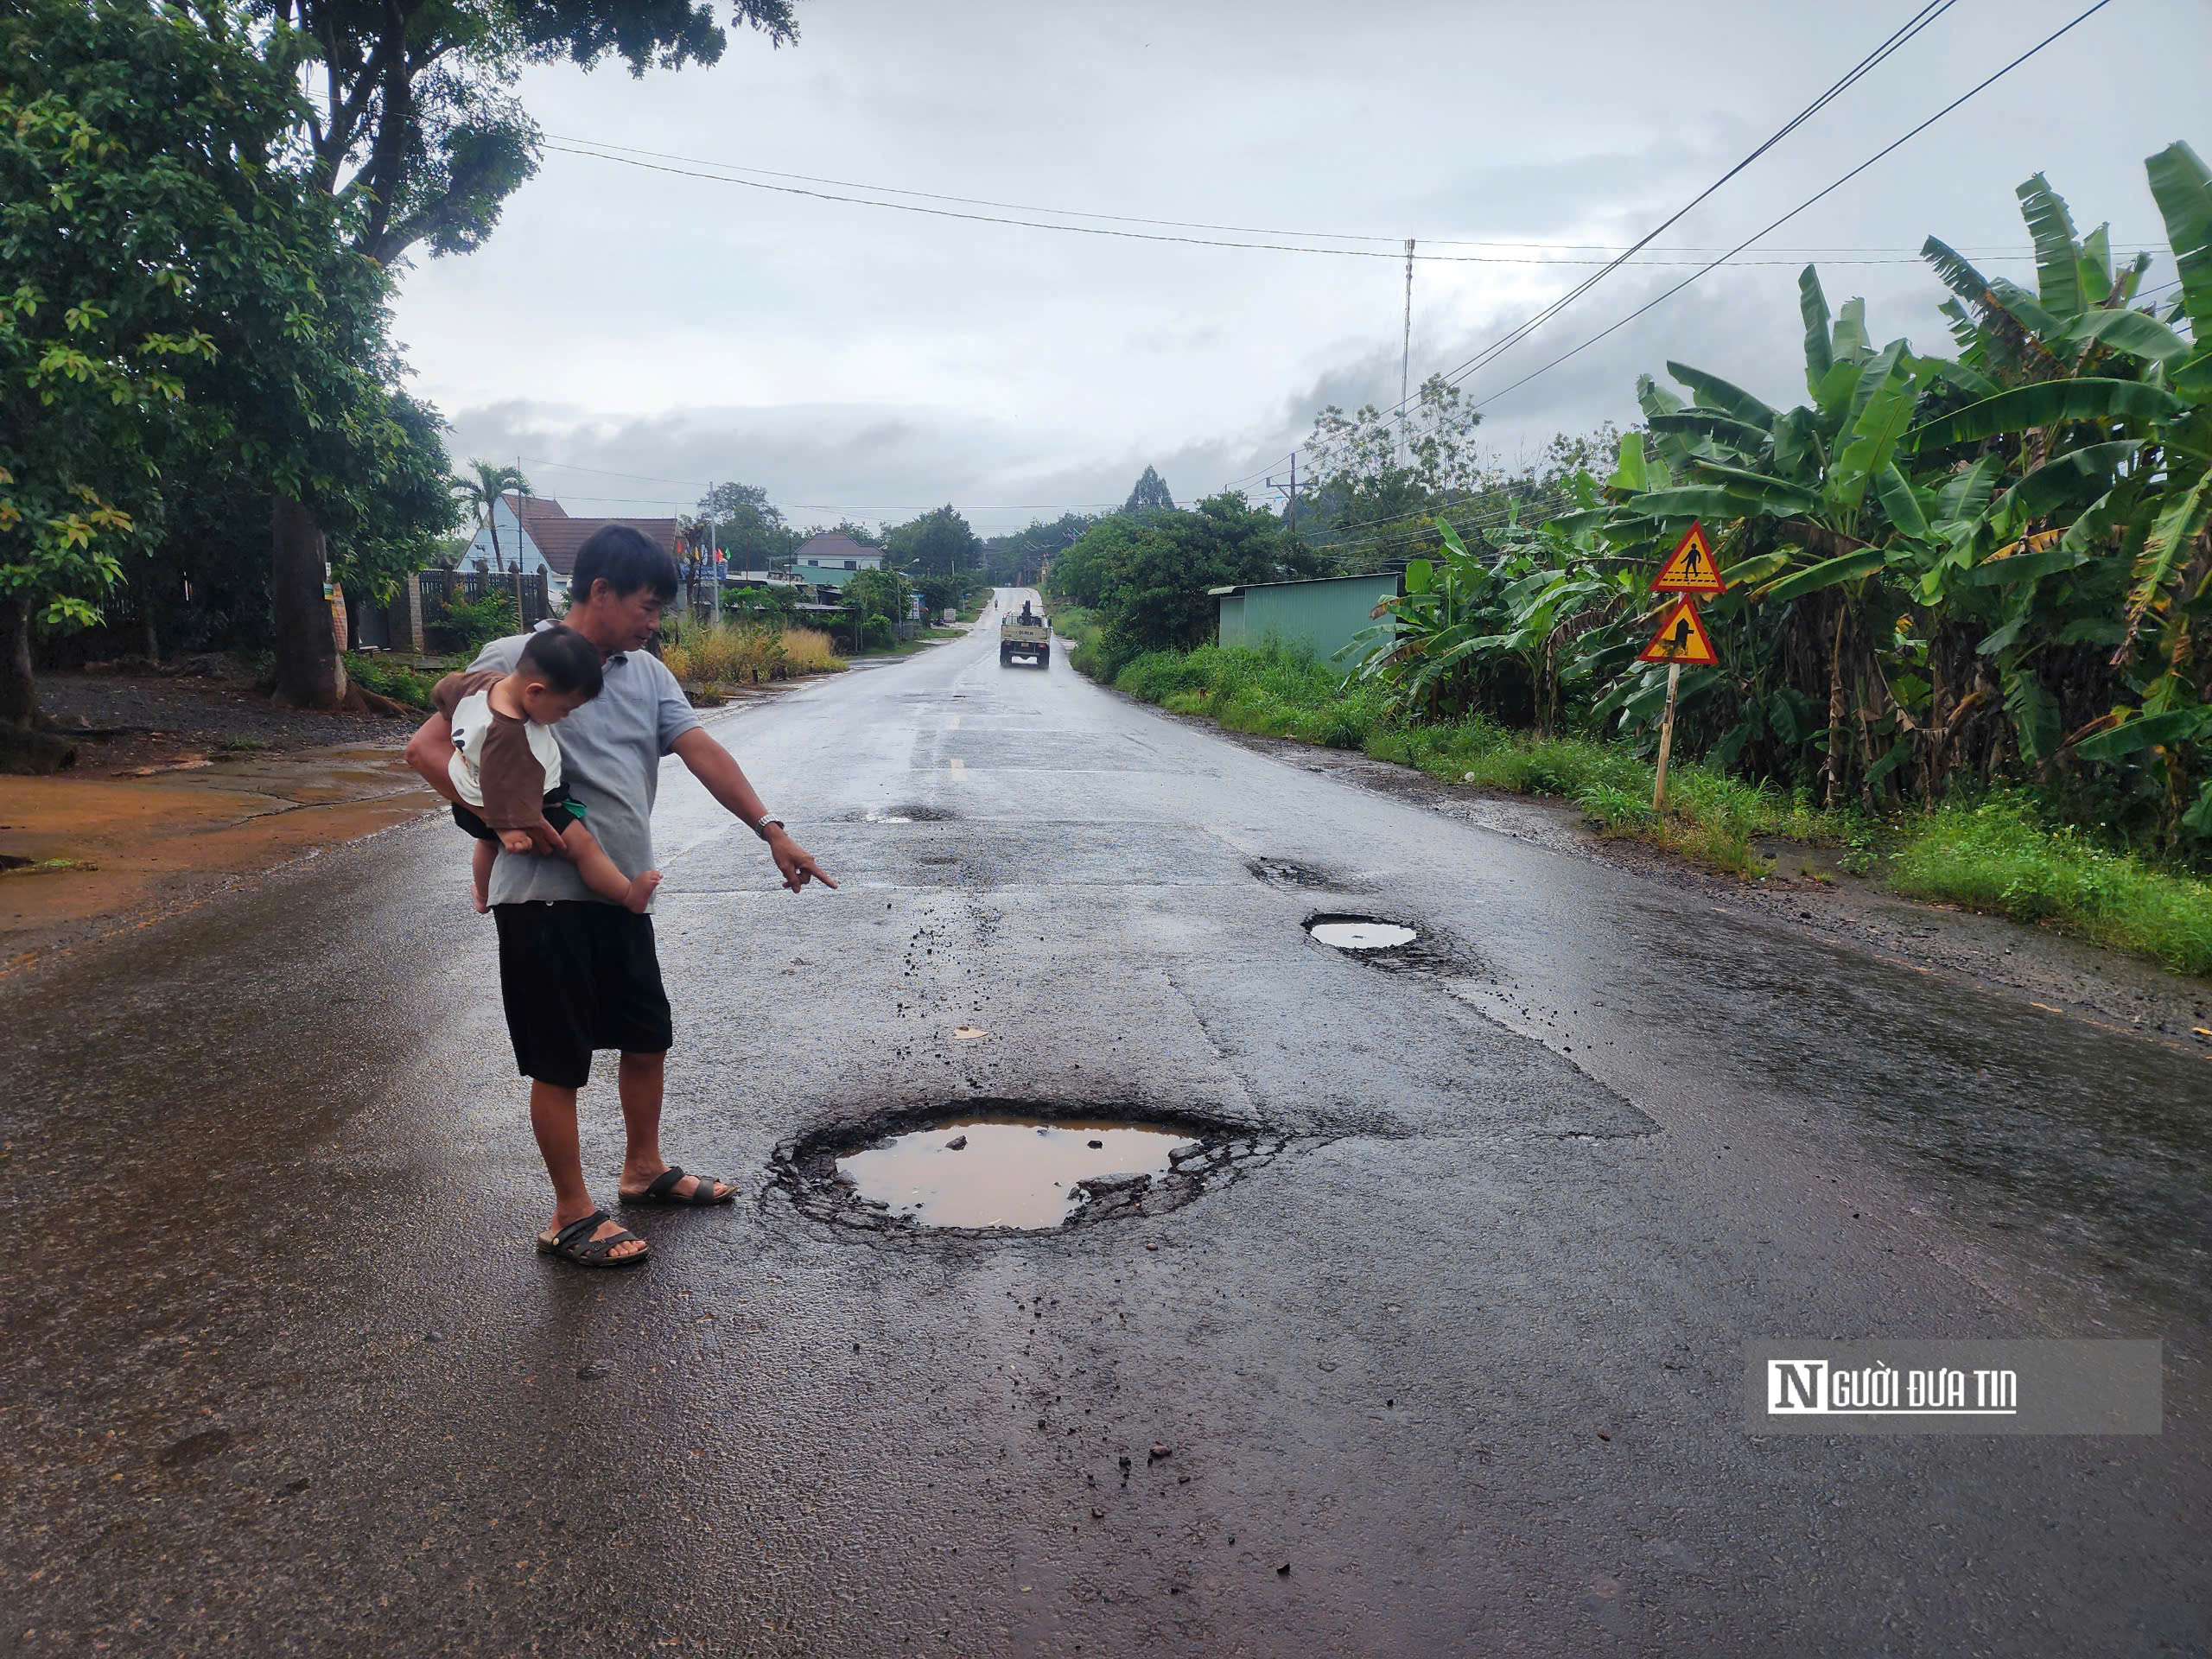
(1147, 574)
(939, 543)
(747, 526)
(1150, 494)
(1018, 559)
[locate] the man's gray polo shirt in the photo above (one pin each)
(611, 751)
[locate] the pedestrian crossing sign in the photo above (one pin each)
(1690, 567)
(1682, 640)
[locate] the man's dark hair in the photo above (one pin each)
(625, 559)
(568, 660)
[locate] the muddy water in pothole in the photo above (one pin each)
(1362, 936)
(1002, 1173)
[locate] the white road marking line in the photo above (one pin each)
(955, 725)
(959, 767)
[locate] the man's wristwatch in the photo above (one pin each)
(761, 828)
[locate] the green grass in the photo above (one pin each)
(389, 679)
(1281, 693)
(1998, 856)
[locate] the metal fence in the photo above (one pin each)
(530, 594)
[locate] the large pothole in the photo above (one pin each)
(999, 1166)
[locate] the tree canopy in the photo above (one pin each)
(181, 309)
(938, 543)
(1150, 494)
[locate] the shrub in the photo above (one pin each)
(389, 679)
(468, 626)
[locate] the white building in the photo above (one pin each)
(833, 557)
(538, 533)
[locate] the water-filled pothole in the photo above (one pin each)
(1005, 1172)
(1360, 933)
(996, 1166)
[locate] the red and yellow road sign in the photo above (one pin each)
(1682, 640)
(1690, 567)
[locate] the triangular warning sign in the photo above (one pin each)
(1689, 569)
(1681, 638)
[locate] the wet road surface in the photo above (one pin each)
(1453, 1337)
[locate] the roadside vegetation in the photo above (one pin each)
(1968, 594)
(712, 656)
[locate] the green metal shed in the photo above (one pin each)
(1322, 615)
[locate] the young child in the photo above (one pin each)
(507, 761)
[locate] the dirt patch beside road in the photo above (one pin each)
(101, 854)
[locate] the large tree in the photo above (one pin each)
(747, 526)
(940, 542)
(180, 308)
(416, 127)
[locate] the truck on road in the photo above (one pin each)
(1027, 634)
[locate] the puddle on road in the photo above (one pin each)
(1360, 933)
(1005, 1172)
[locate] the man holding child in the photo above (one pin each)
(577, 969)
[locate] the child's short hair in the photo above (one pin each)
(568, 660)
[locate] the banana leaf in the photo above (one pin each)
(2182, 187)
(1829, 573)
(1899, 500)
(2133, 332)
(2133, 736)
(1654, 398)
(1713, 392)
(1812, 306)
(1967, 494)
(2058, 251)
(2027, 310)
(1871, 378)
(1741, 435)
(2096, 265)
(2060, 482)
(1797, 444)
(1777, 495)
(1851, 342)
(1956, 270)
(1687, 501)
(1971, 382)
(1874, 435)
(2034, 712)
(2179, 523)
(2047, 403)
(1629, 473)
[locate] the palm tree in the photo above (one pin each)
(480, 496)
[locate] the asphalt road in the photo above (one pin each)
(1454, 1336)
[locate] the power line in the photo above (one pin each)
(1919, 21)
(2082, 18)
(604, 149)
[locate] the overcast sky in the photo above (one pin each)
(668, 330)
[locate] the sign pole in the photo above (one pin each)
(1666, 738)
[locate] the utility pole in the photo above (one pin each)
(1406, 362)
(1293, 495)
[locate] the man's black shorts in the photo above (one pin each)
(562, 810)
(577, 976)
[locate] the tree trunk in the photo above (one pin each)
(309, 674)
(1836, 734)
(18, 691)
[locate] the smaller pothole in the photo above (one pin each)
(1360, 933)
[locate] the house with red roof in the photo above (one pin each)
(538, 532)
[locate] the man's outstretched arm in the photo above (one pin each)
(717, 768)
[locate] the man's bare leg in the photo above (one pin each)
(640, 1081)
(553, 1120)
(602, 875)
(479, 874)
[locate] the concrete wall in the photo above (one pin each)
(1323, 616)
